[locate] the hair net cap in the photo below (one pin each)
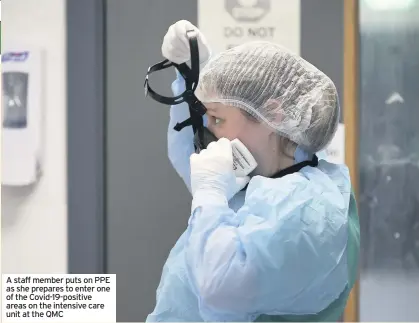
(277, 87)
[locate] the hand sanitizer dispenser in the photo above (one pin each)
(22, 117)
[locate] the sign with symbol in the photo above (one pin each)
(241, 21)
(394, 98)
(247, 10)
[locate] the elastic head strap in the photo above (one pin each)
(314, 162)
(191, 77)
(161, 98)
(194, 71)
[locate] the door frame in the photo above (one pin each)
(86, 79)
(350, 104)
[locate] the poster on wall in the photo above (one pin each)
(335, 151)
(228, 23)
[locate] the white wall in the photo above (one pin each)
(34, 220)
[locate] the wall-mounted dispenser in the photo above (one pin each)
(22, 112)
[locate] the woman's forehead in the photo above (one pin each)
(216, 107)
(212, 106)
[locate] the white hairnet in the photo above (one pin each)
(277, 87)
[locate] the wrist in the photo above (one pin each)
(209, 196)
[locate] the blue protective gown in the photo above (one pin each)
(279, 248)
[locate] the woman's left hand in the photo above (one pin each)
(212, 170)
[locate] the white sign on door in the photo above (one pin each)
(228, 23)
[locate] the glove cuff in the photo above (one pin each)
(204, 197)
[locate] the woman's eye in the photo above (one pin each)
(217, 120)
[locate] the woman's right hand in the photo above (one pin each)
(175, 45)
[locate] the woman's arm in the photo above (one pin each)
(180, 143)
(283, 252)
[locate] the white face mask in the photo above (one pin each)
(243, 161)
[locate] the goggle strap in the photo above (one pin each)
(180, 125)
(191, 77)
